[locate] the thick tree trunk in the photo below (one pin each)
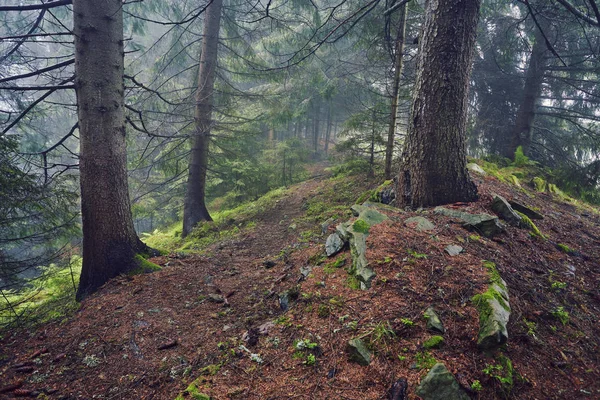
(389, 148)
(534, 78)
(110, 243)
(434, 161)
(194, 209)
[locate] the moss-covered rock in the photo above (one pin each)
(143, 266)
(502, 207)
(434, 323)
(539, 184)
(358, 352)
(487, 225)
(494, 311)
(439, 384)
(527, 223)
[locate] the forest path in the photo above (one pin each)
(138, 336)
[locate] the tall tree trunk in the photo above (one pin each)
(316, 129)
(328, 128)
(110, 243)
(372, 146)
(194, 209)
(389, 148)
(534, 78)
(434, 161)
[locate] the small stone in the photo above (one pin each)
(476, 168)
(215, 298)
(293, 227)
(265, 328)
(333, 245)
(421, 224)
(434, 323)
(284, 301)
(453, 250)
(440, 384)
(358, 352)
(268, 264)
(325, 225)
(305, 271)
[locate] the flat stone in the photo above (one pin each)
(476, 168)
(334, 244)
(440, 384)
(358, 352)
(488, 225)
(502, 207)
(525, 210)
(434, 323)
(453, 250)
(215, 298)
(421, 224)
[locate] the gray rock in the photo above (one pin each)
(421, 224)
(284, 301)
(434, 323)
(525, 210)
(216, 298)
(325, 225)
(334, 244)
(487, 225)
(504, 210)
(368, 216)
(453, 250)
(358, 352)
(476, 168)
(305, 271)
(494, 313)
(439, 384)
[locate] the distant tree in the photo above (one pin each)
(195, 204)
(110, 243)
(433, 169)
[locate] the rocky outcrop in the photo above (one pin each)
(355, 233)
(525, 210)
(439, 384)
(503, 208)
(488, 225)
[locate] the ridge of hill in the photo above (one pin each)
(264, 314)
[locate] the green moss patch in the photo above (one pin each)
(433, 342)
(143, 266)
(528, 223)
(360, 226)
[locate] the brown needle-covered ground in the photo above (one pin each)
(151, 336)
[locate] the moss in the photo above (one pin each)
(433, 342)
(323, 311)
(353, 282)
(365, 196)
(539, 184)
(143, 266)
(528, 223)
(494, 274)
(564, 248)
(515, 180)
(376, 194)
(360, 226)
(482, 303)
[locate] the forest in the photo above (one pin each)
(148, 145)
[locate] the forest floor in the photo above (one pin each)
(212, 323)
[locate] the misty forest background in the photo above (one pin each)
(296, 82)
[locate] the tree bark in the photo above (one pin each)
(110, 243)
(328, 127)
(389, 149)
(434, 161)
(534, 78)
(194, 209)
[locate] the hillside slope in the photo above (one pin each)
(265, 315)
